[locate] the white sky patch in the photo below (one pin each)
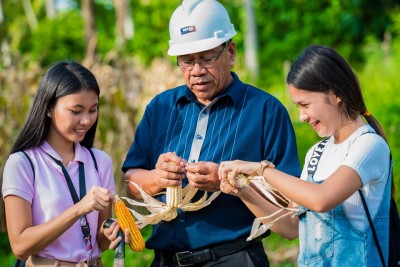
(65, 5)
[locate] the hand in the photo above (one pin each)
(238, 166)
(170, 170)
(203, 175)
(110, 231)
(96, 199)
(227, 188)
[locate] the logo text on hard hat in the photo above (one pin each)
(188, 29)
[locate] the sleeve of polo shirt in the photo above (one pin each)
(139, 154)
(18, 177)
(280, 139)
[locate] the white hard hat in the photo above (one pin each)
(198, 25)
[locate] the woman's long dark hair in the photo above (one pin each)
(61, 79)
(321, 69)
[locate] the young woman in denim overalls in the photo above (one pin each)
(332, 226)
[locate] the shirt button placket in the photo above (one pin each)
(200, 134)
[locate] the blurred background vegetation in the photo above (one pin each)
(124, 43)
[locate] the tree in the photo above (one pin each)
(1, 13)
(30, 14)
(50, 9)
(125, 26)
(250, 40)
(90, 31)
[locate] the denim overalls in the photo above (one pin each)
(329, 239)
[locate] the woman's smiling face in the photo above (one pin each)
(320, 110)
(73, 115)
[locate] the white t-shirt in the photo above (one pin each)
(368, 154)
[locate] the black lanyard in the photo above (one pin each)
(82, 192)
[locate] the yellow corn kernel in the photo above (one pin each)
(126, 221)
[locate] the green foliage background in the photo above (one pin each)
(365, 32)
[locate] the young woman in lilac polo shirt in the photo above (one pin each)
(51, 219)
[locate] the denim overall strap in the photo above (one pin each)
(312, 167)
(317, 153)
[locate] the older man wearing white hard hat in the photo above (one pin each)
(212, 118)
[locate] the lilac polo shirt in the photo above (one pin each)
(49, 195)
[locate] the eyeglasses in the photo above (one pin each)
(204, 62)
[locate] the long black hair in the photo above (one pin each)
(61, 79)
(322, 69)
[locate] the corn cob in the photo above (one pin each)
(174, 194)
(126, 221)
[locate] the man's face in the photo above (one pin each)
(207, 82)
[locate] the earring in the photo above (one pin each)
(48, 114)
